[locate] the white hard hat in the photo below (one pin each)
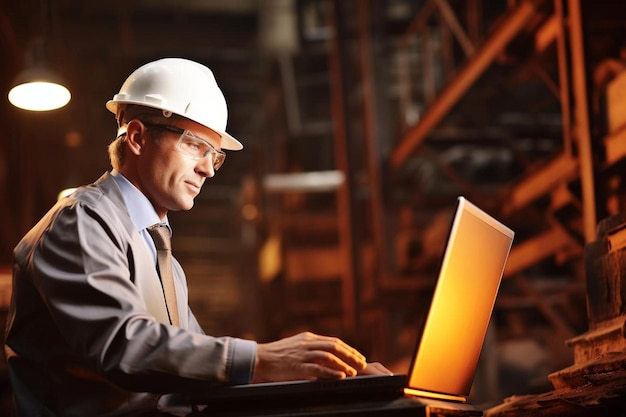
(180, 86)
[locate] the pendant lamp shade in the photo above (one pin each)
(38, 89)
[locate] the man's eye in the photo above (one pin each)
(192, 145)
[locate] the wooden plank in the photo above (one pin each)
(599, 395)
(617, 239)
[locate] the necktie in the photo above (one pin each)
(161, 236)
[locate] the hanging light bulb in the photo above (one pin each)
(37, 87)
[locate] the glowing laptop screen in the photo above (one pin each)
(472, 266)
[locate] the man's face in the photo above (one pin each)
(170, 178)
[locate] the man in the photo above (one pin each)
(93, 329)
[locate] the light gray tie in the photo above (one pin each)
(160, 233)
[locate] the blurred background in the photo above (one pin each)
(362, 121)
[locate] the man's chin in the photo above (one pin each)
(182, 207)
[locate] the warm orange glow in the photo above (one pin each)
(249, 212)
(462, 303)
(435, 395)
(270, 259)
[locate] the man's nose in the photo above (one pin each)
(205, 167)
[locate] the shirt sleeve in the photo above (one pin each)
(243, 360)
(242, 357)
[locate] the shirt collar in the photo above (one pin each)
(140, 209)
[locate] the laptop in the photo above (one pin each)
(447, 353)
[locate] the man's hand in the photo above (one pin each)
(375, 368)
(306, 356)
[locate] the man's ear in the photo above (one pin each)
(135, 136)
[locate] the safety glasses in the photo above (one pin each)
(191, 145)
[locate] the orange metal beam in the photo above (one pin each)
(462, 82)
(370, 129)
(560, 169)
(581, 112)
(453, 23)
(548, 32)
(564, 96)
(539, 300)
(538, 248)
(419, 21)
(344, 211)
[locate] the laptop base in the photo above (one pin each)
(287, 395)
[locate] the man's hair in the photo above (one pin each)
(117, 152)
(126, 113)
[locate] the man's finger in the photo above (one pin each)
(341, 349)
(329, 360)
(375, 368)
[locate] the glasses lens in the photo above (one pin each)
(198, 148)
(218, 160)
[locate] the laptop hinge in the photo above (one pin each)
(436, 395)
